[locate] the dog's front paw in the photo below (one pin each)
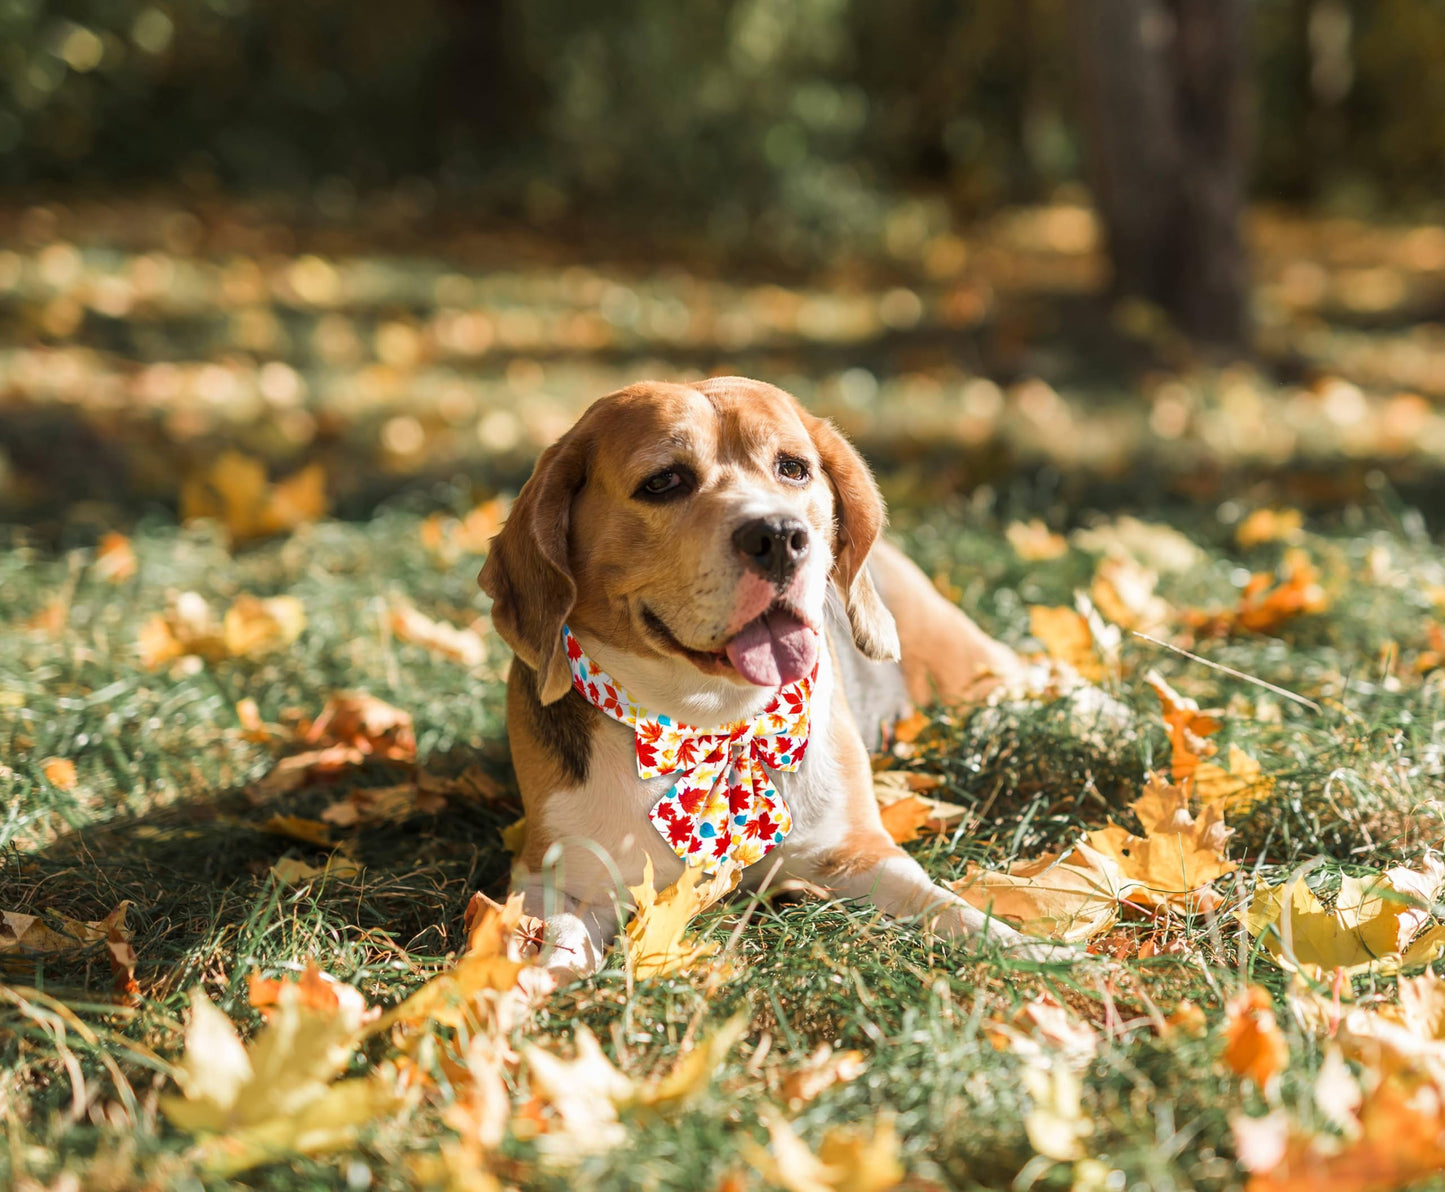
(961, 922)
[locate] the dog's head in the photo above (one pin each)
(694, 530)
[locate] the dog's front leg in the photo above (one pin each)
(874, 867)
(577, 932)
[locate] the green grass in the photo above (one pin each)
(159, 817)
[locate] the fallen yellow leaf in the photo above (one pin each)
(475, 992)
(1034, 542)
(848, 1160)
(655, 944)
(254, 626)
(27, 938)
(251, 627)
(1373, 926)
(1078, 638)
(578, 1101)
(1123, 592)
(1055, 1123)
(236, 492)
(1267, 601)
(1389, 1135)
(1235, 789)
(1178, 856)
(905, 811)
(448, 539)
(1269, 525)
(276, 1096)
(296, 827)
(465, 646)
(291, 871)
(1043, 1029)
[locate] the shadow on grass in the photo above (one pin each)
(198, 875)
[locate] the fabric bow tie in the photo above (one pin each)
(723, 807)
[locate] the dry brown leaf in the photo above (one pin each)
(1042, 1029)
(235, 491)
(59, 772)
(907, 812)
(382, 805)
(465, 646)
(1034, 542)
(819, 1072)
(366, 724)
(291, 871)
(27, 938)
(654, 939)
(1267, 601)
(1062, 897)
(1178, 856)
(1254, 1046)
(296, 827)
(115, 560)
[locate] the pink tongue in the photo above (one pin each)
(774, 650)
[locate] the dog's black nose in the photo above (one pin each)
(773, 546)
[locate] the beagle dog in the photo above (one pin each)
(704, 549)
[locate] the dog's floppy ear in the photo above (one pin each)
(527, 573)
(859, 518)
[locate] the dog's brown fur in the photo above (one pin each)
(580, 548)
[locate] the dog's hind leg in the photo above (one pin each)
(945, 657)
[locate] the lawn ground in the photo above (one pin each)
(157, 816)
(422, 371)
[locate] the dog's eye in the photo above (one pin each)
(793, 469)
(671, 482)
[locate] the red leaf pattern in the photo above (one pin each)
(722, 772)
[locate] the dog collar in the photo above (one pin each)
(724, 807)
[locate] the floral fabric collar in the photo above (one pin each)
(724, 807)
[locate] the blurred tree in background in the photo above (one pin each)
(1163, 83)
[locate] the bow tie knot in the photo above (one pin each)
(724, 806)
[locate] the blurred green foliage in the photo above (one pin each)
(791, 121)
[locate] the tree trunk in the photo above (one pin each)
(1164, 112)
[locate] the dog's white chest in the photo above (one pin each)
(605, 833)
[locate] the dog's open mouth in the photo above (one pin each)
(772, 650)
